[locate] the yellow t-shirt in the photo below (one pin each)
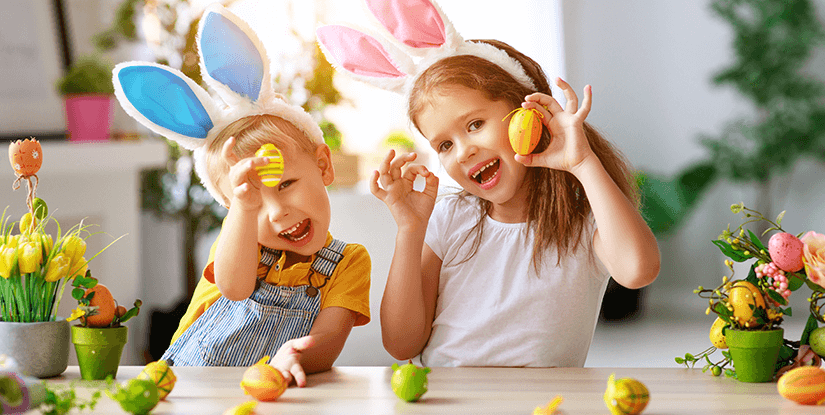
(348, 287)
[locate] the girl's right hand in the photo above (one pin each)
(243, 178)
(408, 206)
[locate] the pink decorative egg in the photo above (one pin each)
(786, 251)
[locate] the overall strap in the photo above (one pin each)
(328, 257)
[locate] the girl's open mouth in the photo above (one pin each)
(299, 233)
(486, 175)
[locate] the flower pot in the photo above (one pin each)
(98, 350)
(35, 349)
(89, 117)
(754, 353)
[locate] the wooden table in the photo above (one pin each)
(366, 390)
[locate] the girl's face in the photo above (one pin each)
(469, 133)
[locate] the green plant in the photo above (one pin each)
(81, 292)
(88, 75)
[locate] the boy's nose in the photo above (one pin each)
(276, 211)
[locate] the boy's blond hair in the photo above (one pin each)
(250, 134)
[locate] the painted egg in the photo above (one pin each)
(717, 335)
(160, 373)
(272, 172)
(805, 385)
(525, 130)
(26, 156)
(263, 382)
(409, 382)
(786, 251)
(625, 396)
(745, 297)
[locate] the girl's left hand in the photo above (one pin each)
(568, 146)
(288, 359)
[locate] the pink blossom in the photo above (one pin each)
(813, 256)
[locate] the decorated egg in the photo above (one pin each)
(745, 297)
(246, 408)
(717, 335)
(409, 382)
(625, 396)
(26, 156)
(160, 373)
(786, 251)
(817, 341)
(263, 382)
(272, 172)
(805, 385)
(525, 130)
(136, 396)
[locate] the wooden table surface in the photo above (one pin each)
(366, 390)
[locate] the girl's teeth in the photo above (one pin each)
(483, 168)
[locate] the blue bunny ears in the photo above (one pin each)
(234, 64)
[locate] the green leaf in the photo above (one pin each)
(723, 312)
(756, 241)
(77, 293)
(680, 361)
(810, 326)
(779, 217)
(752, 278)
(788, 311)
(729, 252)
(794, 282)
(776, 297)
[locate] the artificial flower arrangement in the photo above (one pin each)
(759, 302)
(96, 307)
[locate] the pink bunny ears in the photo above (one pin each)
(419, 35)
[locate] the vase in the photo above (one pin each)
(89, 117)
(754, 353)
(39, 349)
(98, 350)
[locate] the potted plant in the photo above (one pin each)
(100, 335)
(750, 311)
(88, 95)
(34, 270)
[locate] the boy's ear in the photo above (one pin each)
(324, 160)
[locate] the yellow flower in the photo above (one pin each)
(30, 256)
(7, 257)
(76, 314)
(46, 241)
(58, 267)
(78, 268)
(74, 247)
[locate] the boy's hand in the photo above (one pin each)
(408, 206)
(288, 359)
(568, 147)
(243, 178)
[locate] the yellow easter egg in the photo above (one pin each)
(717, 335)
(525, 130)
(160, 373)
(625, 396)
(272, 172)
(744, 297)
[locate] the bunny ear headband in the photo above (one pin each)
(233, 63)
(419, 36)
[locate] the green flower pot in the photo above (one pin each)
(98, 350)
(754, 353)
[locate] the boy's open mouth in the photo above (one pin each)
(486, 172)
(298, 232)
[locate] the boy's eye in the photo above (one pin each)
(284, 184)
(444, 146)
(475, 125)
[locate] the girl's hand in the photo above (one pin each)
(568, 147)
(288, 359)
(408, 206)
(243, 178)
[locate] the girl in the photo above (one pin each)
(512, 270)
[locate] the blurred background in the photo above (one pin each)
(714, 102)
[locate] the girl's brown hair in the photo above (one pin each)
(250, 134)
(557, 206)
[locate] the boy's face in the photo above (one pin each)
(295, 215)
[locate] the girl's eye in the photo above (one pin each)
(285, 184)
(444, 146)
(475, 125)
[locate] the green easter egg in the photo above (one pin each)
(409, 382)
(137, 396)
(817, 341)
(41, 210)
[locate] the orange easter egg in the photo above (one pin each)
(106, 306)
(263, 382)
(805, 385)
(26, 156)
(525, 130)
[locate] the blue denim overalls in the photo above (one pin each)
(240, 333)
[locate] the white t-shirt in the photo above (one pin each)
(493, 310)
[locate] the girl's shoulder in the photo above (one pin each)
(457, 203)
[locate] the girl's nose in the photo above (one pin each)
(465, 150)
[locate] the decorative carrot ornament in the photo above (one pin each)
(524, 130)
(272, 172)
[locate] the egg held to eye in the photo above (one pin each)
(272, 172)
(524, 130)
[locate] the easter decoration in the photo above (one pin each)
(35, 268)
(263, 382)
(409, 382)
(750, 311)
(524, 129)
(625, 396)
(246, 408)
(20, 393)
(100, 336)
(163, 376)
(136, 396)
(272, 172)
(804, 385)
(551, 407)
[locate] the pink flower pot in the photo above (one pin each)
(89, 117)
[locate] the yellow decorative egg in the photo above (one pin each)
(263, 382)
(272, 172)
(717, 336)
(160, 373)
(805, 385)
(744, 297)
(524, 130)
(625, 396)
